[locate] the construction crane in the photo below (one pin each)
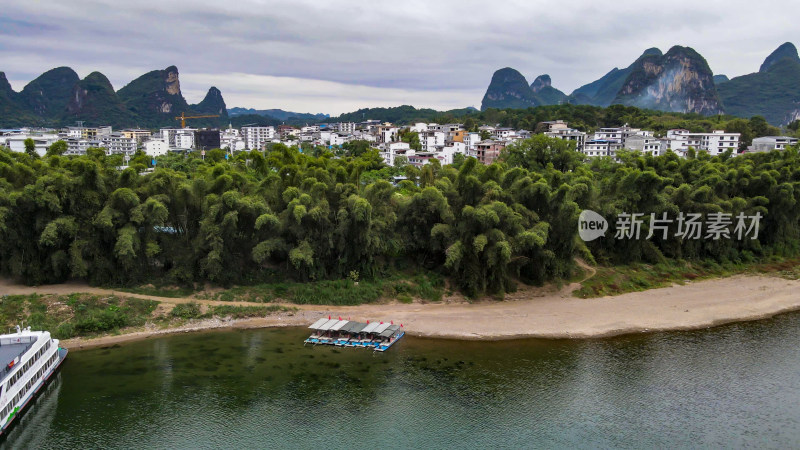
(183, 118)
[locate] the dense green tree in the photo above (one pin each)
(314, 216)
(411, 137)
(57, 148)
(30, 147)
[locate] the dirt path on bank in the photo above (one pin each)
(530, 312)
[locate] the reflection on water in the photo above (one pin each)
(737, 385)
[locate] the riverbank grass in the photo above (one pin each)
(84, 315)
(427, 286)
(615, 280)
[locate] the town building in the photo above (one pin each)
(156, 147)
(207, 139)
(560, 130)
(430, 140)
(78, 146)
(257, 137)
(648, 145)
(601, 147)
(769, 143)
(136, 134)
(387, 133)
(15, 140)
(391, 150)
(470, 140)
(118, 143)
(488, 151)
(715, 143)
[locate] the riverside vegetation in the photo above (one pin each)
(278, 220)
(75, 315)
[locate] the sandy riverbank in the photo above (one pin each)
(528, 313)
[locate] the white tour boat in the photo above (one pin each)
(27, 361)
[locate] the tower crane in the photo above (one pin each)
(183, 118)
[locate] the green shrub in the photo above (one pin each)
(186, 311)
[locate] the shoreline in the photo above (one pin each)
(535, 313)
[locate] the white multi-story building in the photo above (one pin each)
(364, 136)
(387, 133)
(470, 140)
(178, 137)
(445, 154)
(256, 137)
(648, 145)
(184, 139)
(714, 143)
(568, 134)
(78, 146)
(117, 143)
(431, 140)
(156, 147)
(231, 139)
(86, 132)
(448, 127)
(421, 158)
(346, 127)
(391, 150)
(418, 127)
(338, 139)
(620, 133)
(769, 143)
(503, 134)
(601, 147)
(607, 141)
(16, 141)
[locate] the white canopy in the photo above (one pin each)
(317, 324)
(327, 325)
(338, 325)
(371, 327)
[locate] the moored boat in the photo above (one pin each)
(28, 360)
(378, 336)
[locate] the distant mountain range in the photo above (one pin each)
(678, 81)
(58, 97)
(278, 114)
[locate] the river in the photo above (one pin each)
(731, 386)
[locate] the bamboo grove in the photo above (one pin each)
(314, 216)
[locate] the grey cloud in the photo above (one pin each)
(420, 46)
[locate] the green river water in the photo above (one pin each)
(732, 386)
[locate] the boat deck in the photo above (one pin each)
(378, 336)
(8, 352)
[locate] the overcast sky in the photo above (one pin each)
(334, 57)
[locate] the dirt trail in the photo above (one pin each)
(10, 288)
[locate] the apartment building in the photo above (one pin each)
(568, 134)
(118, 143)
(257, 137)
(715, 143)
(136, 134)
(648, 145)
